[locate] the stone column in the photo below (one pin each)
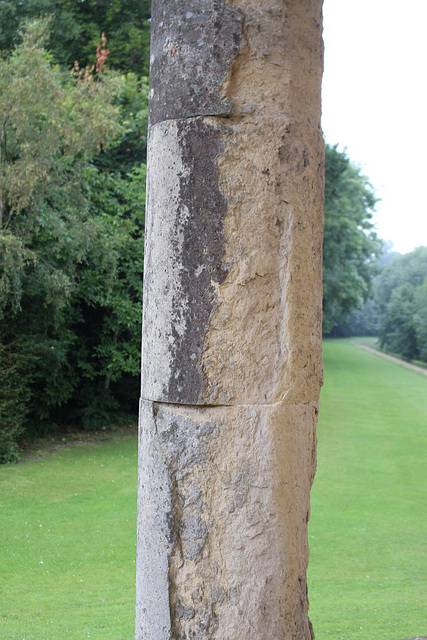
(231, 368)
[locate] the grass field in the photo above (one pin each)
(67, 535)
(367, 576)
(67, 541)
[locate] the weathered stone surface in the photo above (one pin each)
(183, 257)
(280, 62)
(223, 491)
(232, 366)
(227, 272)
(232, 289)
(232, 298)
(263, 342)
(192, 47)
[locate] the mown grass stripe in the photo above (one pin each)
(368, 524)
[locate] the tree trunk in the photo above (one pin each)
(231, 368)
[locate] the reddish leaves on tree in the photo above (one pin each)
(101, 55)
(90, 73)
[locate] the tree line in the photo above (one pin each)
(72, 191)
(397, 311)
(368, 291)
(73, 121)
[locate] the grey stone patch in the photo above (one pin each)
(183, 258)
(187, 613)
(183, 441)
(194, 532)
(171, 526)
(219, 595)
(193, 44)
(154, 535)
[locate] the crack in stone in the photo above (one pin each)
(217, 406)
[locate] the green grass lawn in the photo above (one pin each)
(67, 541)
(67, 535)
(367, 576)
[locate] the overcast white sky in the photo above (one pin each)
(375, 105)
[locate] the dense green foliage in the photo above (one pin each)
(77, 26)
(397, 310)
(366, 532)
(72, 190)
(360, 322)
(350, 246)
(365, 321)
(401, 293)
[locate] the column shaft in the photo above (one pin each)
(231, 367)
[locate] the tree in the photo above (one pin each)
(350, 246)
(71, 240)
(400, 292)
(48, 129)
(365, 321)
(359, 322)
(420, 319)
(76, 27)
